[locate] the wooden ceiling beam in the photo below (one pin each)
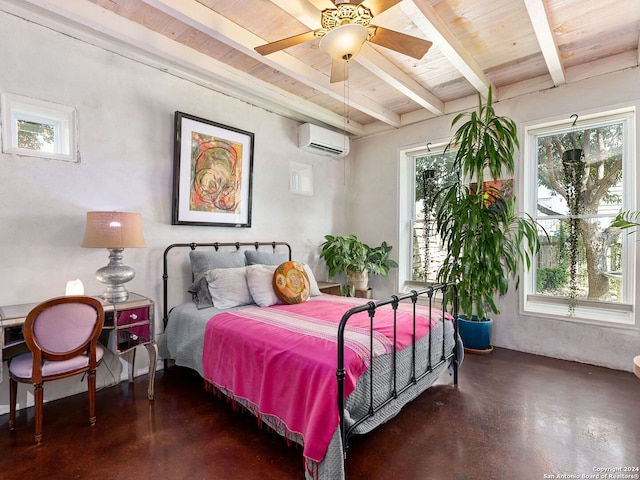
(546, 39)
(427, 20)
(388, 72)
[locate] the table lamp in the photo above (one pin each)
(114, 231)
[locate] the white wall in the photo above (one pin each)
(126, 129)
(375, 185)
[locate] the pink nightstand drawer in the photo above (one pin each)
(133, 327)
(133, 316)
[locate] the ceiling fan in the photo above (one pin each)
(345, 29)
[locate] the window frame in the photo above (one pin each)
(63, 118)
(618, 314)
(407, 211)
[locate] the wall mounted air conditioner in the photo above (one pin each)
(322, 141)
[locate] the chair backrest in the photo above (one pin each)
(63, 328)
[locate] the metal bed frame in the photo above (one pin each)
(396, 391)
(445, 290)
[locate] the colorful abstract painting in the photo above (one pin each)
(212, 173)
(216, 174)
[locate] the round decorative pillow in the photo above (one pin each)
(291, 283)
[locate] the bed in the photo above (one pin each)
(347, 364)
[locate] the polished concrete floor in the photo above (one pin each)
(513, 416)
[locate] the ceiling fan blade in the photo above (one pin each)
(379, 6)
(413, 46)
(285, 43)
(339, 71)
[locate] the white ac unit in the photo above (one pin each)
(313, 138)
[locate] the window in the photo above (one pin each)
(38, 128)
(581, 195)
(426, 172)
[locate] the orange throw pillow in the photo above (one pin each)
(291, 283)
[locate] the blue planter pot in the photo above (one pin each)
(475, 334)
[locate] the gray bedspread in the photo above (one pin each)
(183, 338)
(183, 341)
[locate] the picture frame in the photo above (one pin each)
(213, 173)
(496, 192)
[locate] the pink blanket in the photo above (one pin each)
(283, 359)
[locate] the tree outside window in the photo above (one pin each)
(36, 136)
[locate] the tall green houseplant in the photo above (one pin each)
(486, 241)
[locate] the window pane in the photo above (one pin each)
(432, 172)
(599, 265)
(36, 136)
(580, 178)
(597, 179)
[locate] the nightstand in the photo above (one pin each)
(331, 288)
(127, 325)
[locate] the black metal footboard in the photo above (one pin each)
(444, 292)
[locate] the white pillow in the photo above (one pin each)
(228, 287)
(314, 290)
(260, 282)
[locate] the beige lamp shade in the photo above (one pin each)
(113, 230)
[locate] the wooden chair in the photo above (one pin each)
(62, 336)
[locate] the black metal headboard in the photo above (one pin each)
(194, 246)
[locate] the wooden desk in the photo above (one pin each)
(127, 325)
(12, 318)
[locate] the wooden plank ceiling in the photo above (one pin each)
(517, 46)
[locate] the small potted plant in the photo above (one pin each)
(355, 259)
(484, 238)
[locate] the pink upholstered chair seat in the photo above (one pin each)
(22, 365)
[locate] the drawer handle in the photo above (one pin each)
(133, 316)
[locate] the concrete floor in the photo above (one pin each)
(512, 416)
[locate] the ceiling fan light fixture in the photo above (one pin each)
(344, 42)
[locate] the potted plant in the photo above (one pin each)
(355, 259)
(573, 167)
(477, 222)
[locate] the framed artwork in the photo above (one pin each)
(212, 179)
(493, 189)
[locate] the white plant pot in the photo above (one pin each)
(360, 280)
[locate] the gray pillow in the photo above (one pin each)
(205, 260)
(228, 287)
(200, 292)
(265, 258)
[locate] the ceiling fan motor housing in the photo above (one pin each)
(345, 14)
